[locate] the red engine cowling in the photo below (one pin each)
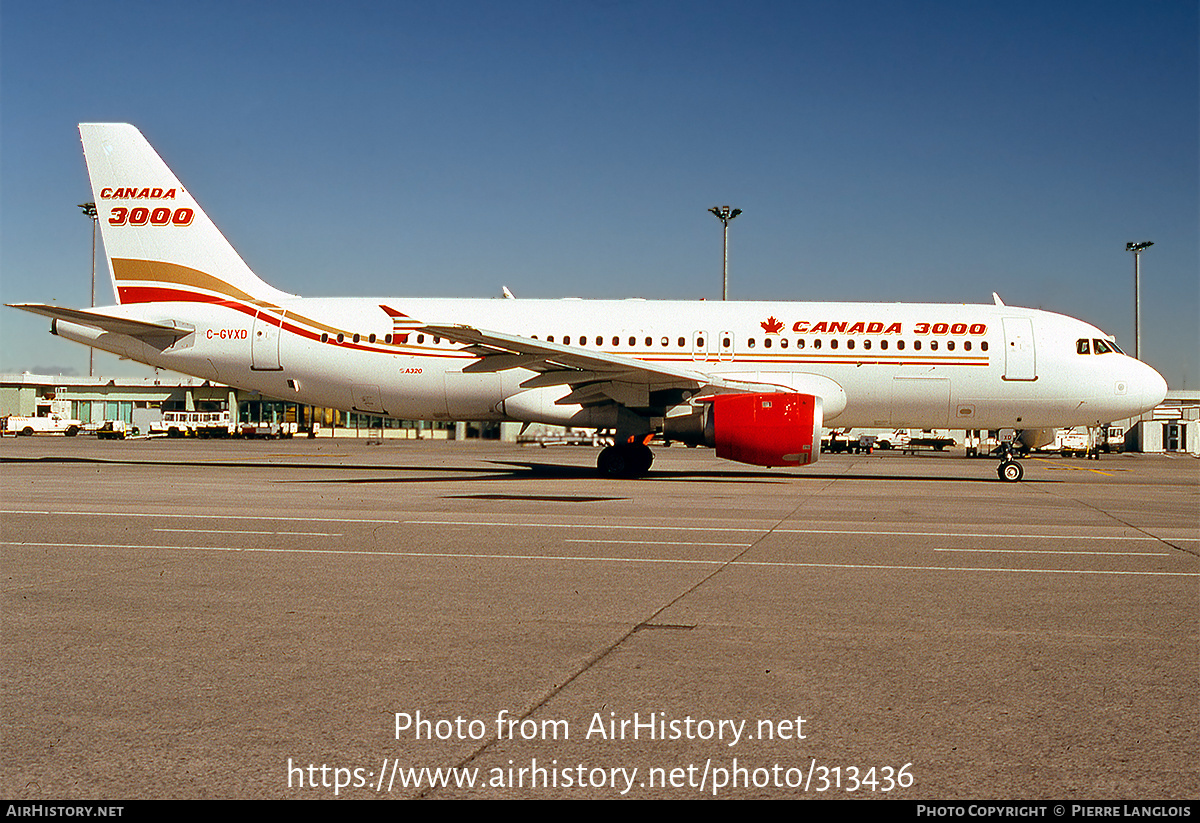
(766, 429)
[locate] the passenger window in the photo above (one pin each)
(950, 345)
(783, 342)
(750, 342)
(933, 345)
(817, 343)
(833, 344)
(766, 342)
(799, 342)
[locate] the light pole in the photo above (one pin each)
(1137, 249)
(89, 209)
(725, 214)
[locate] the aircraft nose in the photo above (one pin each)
(1147, 386)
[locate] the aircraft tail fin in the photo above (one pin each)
(160, 244)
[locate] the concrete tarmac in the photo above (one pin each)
(328, 618)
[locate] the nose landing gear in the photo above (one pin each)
(1009, 469)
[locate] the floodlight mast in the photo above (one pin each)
(725, 214)
(89, 210)
(1137, 249)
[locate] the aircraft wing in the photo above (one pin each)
(595, 376)
(107, 322)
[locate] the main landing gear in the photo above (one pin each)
(625, 460)
(1009, 469)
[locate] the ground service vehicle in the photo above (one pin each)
(48, 424)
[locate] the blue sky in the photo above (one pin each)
(924, 151)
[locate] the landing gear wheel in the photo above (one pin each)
(643, 458)
(1010, 471)
(625, 460)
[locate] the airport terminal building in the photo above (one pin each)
(1172, 427)
(142, 402)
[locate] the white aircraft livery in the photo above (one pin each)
(755, 380)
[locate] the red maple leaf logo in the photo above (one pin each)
(772, 326)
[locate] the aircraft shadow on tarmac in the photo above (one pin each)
(542, 471)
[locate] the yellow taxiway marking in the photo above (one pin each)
(1079, 468)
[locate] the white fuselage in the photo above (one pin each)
(873, 364)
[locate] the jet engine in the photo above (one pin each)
(765, 429)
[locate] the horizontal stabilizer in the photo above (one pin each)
(107, 322)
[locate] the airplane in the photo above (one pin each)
(757, 381)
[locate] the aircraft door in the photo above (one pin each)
(701, 345)
(1020, 361)
(264, 341)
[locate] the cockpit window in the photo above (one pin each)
(1096, 346)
